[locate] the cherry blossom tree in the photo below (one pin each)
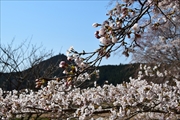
(161, 44)
(62, 98)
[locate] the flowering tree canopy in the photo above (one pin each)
(161, 44)
(126, 24)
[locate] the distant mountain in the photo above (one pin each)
(26, 78)
(50, 68)
(116, 74)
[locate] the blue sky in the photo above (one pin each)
(56, 25)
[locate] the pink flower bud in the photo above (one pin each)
(97, 36)
(95, 24)
(135, 27)
(62, 64)
(104, 41)
(101, 31)
(114, 39)
(69, 58)
(106, 23)
(96, 33)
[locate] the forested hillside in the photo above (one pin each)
(26, 79)
(49, 68)
(116, 74)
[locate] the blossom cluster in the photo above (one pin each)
(75, 69)
(125, 21)
(109, 32)
(136, 98)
